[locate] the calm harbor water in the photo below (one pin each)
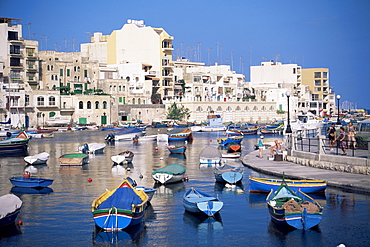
(61, 215)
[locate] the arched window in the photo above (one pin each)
(52, 100)
(104, 104)
(271, 108)
(80, 105)
(255, 108)
(139, 101)
(40, 100)
(88, 105)
(199, 108)
(237, 108)
(133, 101)
(96, 104)
(219, 108)
(263, 108)
(229, 109)
(247, 108)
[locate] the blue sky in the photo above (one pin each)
(314, 34)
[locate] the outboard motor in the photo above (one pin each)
(109, 138)
(85, 148)
(8, 134)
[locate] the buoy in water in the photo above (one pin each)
(185, 179)
(89, 180)
(156, 148)
(20, 223)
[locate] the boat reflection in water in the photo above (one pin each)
(10, 231)
(25, 190)
(177, 156)
(119, 170)
(204, 223)
(229, 189)
(168, 189)
(36, 168)
(129, 236)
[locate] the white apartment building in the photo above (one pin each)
(137, 43)
(271, 80)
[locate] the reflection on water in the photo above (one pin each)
(9, 231)
(203, 222)
(23, 190)
(36, 168)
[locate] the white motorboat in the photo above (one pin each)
(37, 159)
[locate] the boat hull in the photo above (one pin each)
(30, 182)
(229, 177)
(9, 218)
(265, 185)
(73, 159)
(177, 149)
(115, 220)
(198, 202)
(165, 178)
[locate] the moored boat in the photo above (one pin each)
(120, 208)
(251, 131)
(230, 139)
(37, 159)
(92, 148)
(10, 208)
(265, 185)
(228, 174)
(16, 144)
(176, 149)
(129, 156)
(149, 191)
(196, 201)
(293, 209)
(210, 156)
(235, 155)
(169, 174)
(29, 182)
(73, 159)
(185, 135)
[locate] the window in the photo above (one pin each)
(40, 100)
(133, 101)
(15, 49)
(12, 35)
(27, 100)
(104, 104)
(314, 97)
(52, 100)
(96, 104)
(317, 75)
(324, 74)
(88, 105)
(14, 61)
(51, 114)
(317, 89)
(68, 72)
(317, 82)
(80, 105)
(85, 73)
(61, 72)
(30, 52)
(197, 78)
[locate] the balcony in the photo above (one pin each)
(168, 76)
(31, 56)
(16, 55)
(16, 66)
(32, 67)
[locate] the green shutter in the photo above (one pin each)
(120, 99)
(61, 72)
(68, 72)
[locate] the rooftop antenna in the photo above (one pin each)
(240, 64)
(209, 56)
(277, 55)
(232, 60)
(89, 35)
(199, 54)
(29, 29)
(250, 63)
(73, 44)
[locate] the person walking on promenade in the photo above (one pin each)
(341, 138)
(276, 148)
(260, 146)
(332, 135)
(351, 135)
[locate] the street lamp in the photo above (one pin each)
(338, 98)
(288, 129)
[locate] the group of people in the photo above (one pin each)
(344, 139)
(273, 149)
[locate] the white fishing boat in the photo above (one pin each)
(169, 174)
(37, 159)
(210, 156)
(92, 148)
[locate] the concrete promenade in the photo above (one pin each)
(347, 181)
